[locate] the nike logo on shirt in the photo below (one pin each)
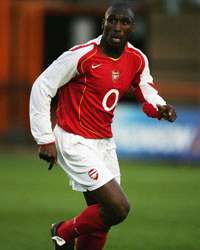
(95, 66)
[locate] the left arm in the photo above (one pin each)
(145, 92)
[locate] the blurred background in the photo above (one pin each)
(34, 33)
(159, 160)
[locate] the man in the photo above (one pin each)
(90, 79)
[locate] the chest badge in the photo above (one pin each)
(115, 75)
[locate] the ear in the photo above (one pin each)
(133, 27)
(102, 23)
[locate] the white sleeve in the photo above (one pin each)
(44, 89)
(150, 94)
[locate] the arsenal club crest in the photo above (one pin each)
(115, 75)
(93, 173)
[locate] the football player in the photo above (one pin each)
(90, 79)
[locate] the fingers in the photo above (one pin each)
(167, 112)
(162, 109)
(49, 154)
(50, 159)
(51, 165)
(171, 114)
(44, 156)
(173, 117)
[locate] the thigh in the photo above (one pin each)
(110, 195)
(90, 198)
(113, 201)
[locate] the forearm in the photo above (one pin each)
(147, 95)
(40, 121)
(149, 105)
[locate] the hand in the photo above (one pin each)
(48, 153)
(167, 112)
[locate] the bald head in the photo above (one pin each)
(120, 8)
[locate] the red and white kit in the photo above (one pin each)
(89, 85)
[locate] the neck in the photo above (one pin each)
(111, 51)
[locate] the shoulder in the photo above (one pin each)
(137, 54)
(86, 47)
(131, 49)
(85, 51)
(78, 53)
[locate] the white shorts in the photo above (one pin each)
(89, 163)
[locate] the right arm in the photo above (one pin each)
(44, 89)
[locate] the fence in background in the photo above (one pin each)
(30, 39)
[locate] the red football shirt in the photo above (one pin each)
(90, 85)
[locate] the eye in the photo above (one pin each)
(126, 21)
(112, 20)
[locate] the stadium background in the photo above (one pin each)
(160, 162)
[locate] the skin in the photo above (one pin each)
(167, 112)
(117, 27)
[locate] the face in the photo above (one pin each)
(117, 27)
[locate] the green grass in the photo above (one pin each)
(164, 216)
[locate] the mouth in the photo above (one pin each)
(116, 39)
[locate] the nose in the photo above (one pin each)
(117, 26)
